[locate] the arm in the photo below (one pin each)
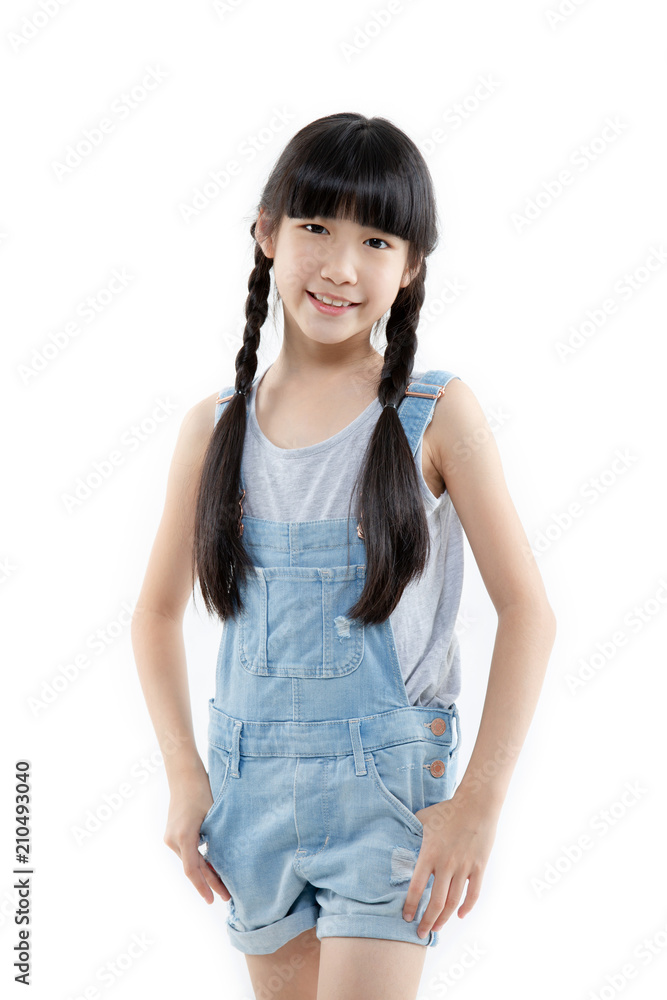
(159, 650)
(526, 623)
(459, 832)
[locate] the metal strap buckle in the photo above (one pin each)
(429, 395)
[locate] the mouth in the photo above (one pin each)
(341, 305)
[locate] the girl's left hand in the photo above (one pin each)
(458, 837)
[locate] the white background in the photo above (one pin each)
(172, 334)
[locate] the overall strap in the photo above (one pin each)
(416, 408)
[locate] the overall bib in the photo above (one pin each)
(316, 760)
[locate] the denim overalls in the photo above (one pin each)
(316, 760)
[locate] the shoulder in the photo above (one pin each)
(459, 423)
(196, 428)
(457, 402)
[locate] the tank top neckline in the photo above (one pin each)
(373, 409)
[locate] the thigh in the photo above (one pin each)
(372, 968)
(290, 973)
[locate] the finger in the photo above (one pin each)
(455, 890)
(420, 877)
(194, 866)
(214, 880)
(472, 895)
(435, 904)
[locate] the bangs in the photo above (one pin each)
(357, 174)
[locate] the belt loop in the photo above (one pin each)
(357, 748)
(236, 735)
(455, 715)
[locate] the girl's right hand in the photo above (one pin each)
(188, 805)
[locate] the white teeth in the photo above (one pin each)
(331, 302)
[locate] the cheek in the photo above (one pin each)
(293, 274)
(385, 274)
(386, 285)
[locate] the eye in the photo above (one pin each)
(376, 239)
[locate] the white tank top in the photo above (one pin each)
(315, 482)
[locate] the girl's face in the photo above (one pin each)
(341, 260)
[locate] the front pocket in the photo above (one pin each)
(218, 776)
(294, 622)
(405, 784)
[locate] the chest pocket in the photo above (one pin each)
(295, 624)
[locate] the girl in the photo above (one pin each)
(321, 509)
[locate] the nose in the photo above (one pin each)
(338, 266)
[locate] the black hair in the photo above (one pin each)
(343, 166)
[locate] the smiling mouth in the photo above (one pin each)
(345, 302)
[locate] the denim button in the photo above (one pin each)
(438, 726)
(437, 768)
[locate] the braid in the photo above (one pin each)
(219, 555)
(256, 310)
(392, 520)
(401, 336)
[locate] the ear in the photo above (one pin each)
(410, 275)
(261, 229)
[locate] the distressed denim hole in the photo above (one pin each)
(342, 627)
(403, 860)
